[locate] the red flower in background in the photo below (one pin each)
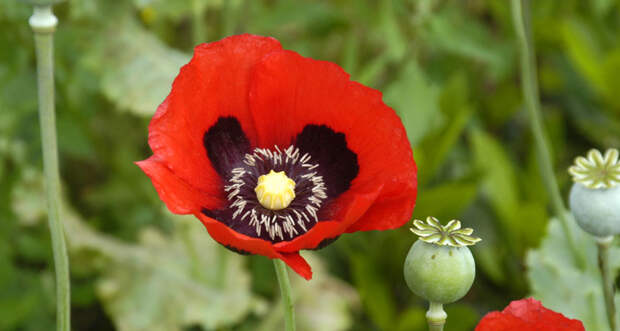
(527, 315)
(243, 107)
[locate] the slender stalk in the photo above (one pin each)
(436, 317)
(532, 101)
(608, 279)
(287, 297)
(43, 23)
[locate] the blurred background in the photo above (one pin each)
(449, 68)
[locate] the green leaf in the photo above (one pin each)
(446, 201)
(584, 52)
(373, 291)
(395, 40)
(561, 286)
(601, 7)
(434, 149)
(416, 101)
(136, 68)
(28, 200)
(173, 280)
(451, 31)
(499, 183)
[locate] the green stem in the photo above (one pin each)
(287, 297)
(436, 316)
(608, 280)
(532, 101)
(43, 23)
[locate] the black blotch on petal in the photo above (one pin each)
(337, 163)
(326, 242)
(210, 213)
(226, 144)
(238, 251)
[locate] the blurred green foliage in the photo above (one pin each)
(554, 277)
(449, 68)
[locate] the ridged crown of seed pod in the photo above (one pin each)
(597, 171)
(449, 235)
(440, 267)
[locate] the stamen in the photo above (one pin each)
(284, 207)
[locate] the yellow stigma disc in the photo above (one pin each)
(275, 190)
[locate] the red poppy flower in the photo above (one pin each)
(243, 107)
(527, 315)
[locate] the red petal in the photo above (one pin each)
(351, 207)
(392, 212)
(533, 311)
(528, 315)
(288, 92)
(179, 196)
(496, 321)
(298, 264)
(213, 84)
(228, 237)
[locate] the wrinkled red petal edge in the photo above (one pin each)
(179, 196)
(230, 238)
(518, 315)
(355, 205)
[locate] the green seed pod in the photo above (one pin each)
(439, 266)
(597, 211)
(595, 197)
(439, 274)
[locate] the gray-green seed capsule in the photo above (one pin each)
(597, 211)
(441, 274)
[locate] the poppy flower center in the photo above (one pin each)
(275, 190)
(278, 194)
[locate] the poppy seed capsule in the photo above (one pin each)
(441, 274)
(439, 266)
(597, 211)
(275, 191)
(595, 196)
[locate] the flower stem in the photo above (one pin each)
(43, 23)
(436, 316)
(608, 280)
(532, 103)
(287, 297)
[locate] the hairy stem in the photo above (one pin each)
(436, 316)
(532, 102)
(43, 23)
(287, 297)
(608, 280)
